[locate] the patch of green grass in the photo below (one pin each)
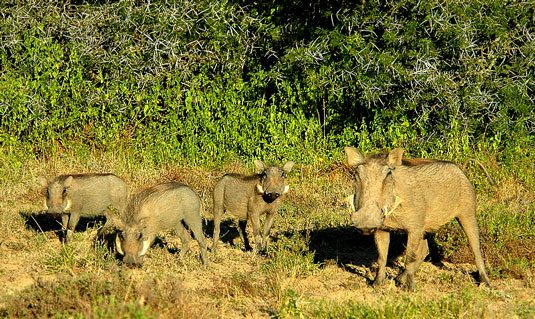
(78, 255)
(63, 259)
(290, 257)
(89, 296)
(469, 303)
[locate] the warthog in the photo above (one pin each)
(249, 197)
(83, 195)
(417, 196)
(158, 208)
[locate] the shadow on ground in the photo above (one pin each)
(345, 245)
(228, 231)
(44, 222)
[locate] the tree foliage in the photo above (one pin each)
(217, 80)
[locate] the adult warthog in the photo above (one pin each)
(417, 196)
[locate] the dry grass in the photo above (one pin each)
(316, 265)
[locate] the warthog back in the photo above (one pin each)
(159, 208)
(83, 195)
(416, 196)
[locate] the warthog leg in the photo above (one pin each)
(255, 221)
(469, 225)
(423, 251)
(64, 224)
(242, 224)
(268, 223)
(185, 238)
(69, 222)
(194, 222)
(416, 247)
(382, 241)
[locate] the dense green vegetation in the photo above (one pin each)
(208, 81)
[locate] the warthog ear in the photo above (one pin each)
(113, 220)
(394, 158)
(68, 182)
(287, 167)
(43, 182)
(354, 156)
(260, 166)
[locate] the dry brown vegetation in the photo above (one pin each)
(317, 265)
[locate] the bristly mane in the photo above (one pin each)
(245, 178)
(84, 175)
(417, 161)
(409, 162)
(130, 214)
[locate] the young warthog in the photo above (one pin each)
(83, 195)
(158, 208)
(417, 196)
(249, 197)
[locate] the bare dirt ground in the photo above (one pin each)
(234, 286)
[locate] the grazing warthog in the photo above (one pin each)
(249, 197)
(83, 195)
(158, 208)
(417, 196)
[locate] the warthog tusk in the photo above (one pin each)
(350, 201)
(118, 245)
(286, 189)
(145, 248)
(260, 188)
(46, 206)
(397, 202)
(68, 206)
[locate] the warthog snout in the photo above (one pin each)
(131, 260)
(368, 218)
(57, 195)
(273, 181)
(133, 246)
(269, 197)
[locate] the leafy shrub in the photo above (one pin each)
(212, 81)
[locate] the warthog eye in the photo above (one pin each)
(140, 236)
(64, 192)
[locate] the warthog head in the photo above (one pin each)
(375, 197)
(56, 191)
(273, 181)
(132, 242)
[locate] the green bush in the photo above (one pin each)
(212, 81)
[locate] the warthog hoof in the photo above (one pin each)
(406, 281)
(378, 282)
